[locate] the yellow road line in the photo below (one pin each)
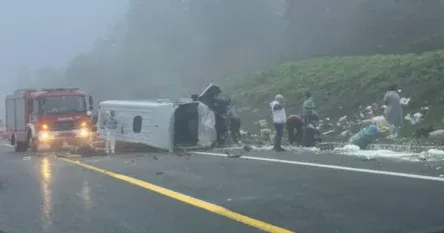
(187, 199)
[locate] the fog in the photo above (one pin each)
(173, 48)
(49, 33)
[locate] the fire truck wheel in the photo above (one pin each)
(33, 145)
(19, 146)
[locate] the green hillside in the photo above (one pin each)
(341, 84)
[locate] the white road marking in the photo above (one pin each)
(335, 167)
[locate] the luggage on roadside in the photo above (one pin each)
(365, 136)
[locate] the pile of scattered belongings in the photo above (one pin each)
(363, 128)
(370, 133)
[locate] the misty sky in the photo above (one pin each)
(51, 32)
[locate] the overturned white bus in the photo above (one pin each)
(161, 124)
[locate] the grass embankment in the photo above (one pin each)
(341, 84)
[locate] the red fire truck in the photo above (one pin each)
(48, 116)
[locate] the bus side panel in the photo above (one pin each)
(20, 118)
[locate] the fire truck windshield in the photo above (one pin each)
(61, 104)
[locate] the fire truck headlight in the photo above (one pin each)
(45, 126)
(44, 136)
(83, 132)
(83, 124)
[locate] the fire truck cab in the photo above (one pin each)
(48, 116)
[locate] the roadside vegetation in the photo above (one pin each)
(340, 85)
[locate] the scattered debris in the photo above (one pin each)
(437, 134)
(424, 132)
(405, 101)
(229, 155)
(27, 158)
(262, 123)
(328, 132)
(130, 161)
(369, 158)
(247, 148)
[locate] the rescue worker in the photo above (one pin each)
(295, 128)
(393, 112)
(310, 116)
(279, 118)
(110, 124)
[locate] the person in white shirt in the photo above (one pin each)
(110, 126)
(279, 118)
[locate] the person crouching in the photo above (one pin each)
(110, 132)
(295, 128)
(279, 118)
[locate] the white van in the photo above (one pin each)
(161, 124)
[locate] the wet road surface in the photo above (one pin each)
(48, 194)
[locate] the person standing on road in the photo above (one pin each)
(279, 118)
(308, 110)
(234, 124)
(110, 131)
(393, 112)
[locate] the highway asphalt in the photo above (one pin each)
(208, 192)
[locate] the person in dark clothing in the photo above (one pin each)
(295, 128)
(235, 124)
(194, 97)
(221, 129)
(313, 119)
(220, 108)
(309, 137)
